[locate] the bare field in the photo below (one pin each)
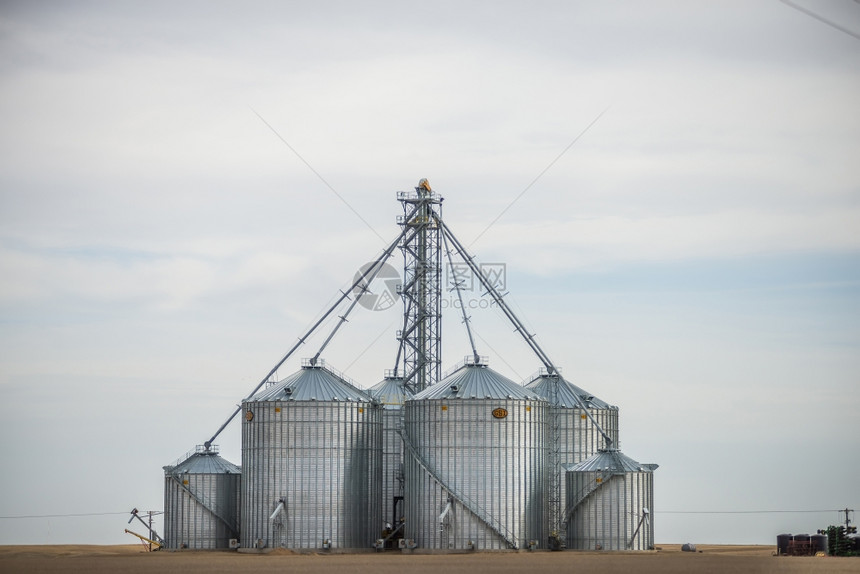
(132, 559)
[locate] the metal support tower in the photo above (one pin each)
(558, 526)
(421, 337)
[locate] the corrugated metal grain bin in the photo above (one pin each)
(201, 501)
(578, 438)
(391, 394)
(475, 456)
(312, 462)
(819, 543)
(782, 541)
(610, 499)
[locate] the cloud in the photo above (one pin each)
(162, 247)
(154, 281)
(548, 247)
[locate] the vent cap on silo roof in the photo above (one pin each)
(611, 460)
(203, 461)
(567, 392)
(476, 381)
(313, 382)
(390, 392)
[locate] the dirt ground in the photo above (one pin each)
(669, 559)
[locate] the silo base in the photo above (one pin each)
(318, 551)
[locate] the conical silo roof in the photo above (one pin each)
(390, 392)
(204, 462)
(312, 383)
(610, 460)
(567, 393)
(476, 382)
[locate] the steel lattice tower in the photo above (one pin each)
(556, 513)
(421, 337)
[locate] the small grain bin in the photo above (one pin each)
(782, 541)
(391, 394)
(474, 461)
(819, 543)
(312, 460)
(610, 501)
(201, 501)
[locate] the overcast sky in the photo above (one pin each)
(694, 256)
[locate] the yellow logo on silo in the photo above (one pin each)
(500, 413)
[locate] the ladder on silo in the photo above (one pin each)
(556, 537)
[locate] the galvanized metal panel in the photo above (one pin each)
(392, 394)
(490, 468)
(478, 382)
(322, 459)
(611, 460)
(204, 461)
(612, 500)
(201, 502)
(578, 437)
(568, 393)
(392, 465)
(317, 383)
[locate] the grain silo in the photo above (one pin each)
(474, 460)
(391, 394)
(311, 455)
(477, 459)
(573, 436)
(610, 498)
(579, 438)
(201, 501)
